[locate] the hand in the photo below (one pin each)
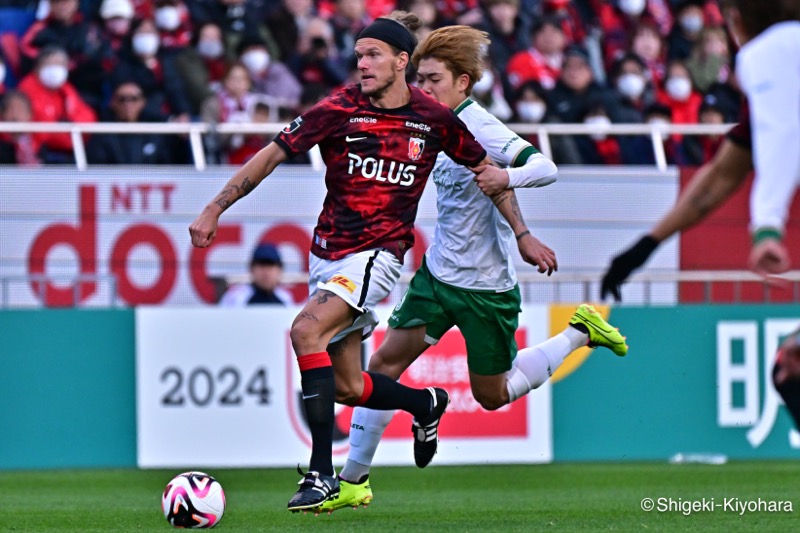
(490, 179)
(534, 252)
(788, 363)
(769, 257)
(624, 264)
(204, 229)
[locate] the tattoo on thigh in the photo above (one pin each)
(308, 316)
(322, 296)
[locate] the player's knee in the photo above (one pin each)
(490, 402)
(349, 392)
(305, 336)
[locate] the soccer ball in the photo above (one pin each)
(193, 500)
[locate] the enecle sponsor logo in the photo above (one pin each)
(382, 170)
(418, 126)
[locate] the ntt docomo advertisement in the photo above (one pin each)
(229, 377)
(133, 226)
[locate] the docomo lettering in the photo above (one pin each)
(101, 244)
(82, 237)
(372, 168)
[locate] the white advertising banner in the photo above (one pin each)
(130, 224)
(221, 388)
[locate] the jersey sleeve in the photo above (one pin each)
(770, 77)
(459, 143)
(506, 148)
(740, 133)
(310, 128)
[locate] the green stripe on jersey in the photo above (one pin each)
(523, 155)
(463, 105)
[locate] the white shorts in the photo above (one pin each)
(361, 280)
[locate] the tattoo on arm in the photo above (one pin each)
(229, 195)
(516, 210)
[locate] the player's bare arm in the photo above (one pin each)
(532, 250)
(714, 183)
(204, 228)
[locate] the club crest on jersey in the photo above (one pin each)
(293, 125)
(343, 281)
(415, 147)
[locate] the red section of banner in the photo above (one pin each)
(722, 242)
(445, 365)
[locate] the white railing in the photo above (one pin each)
(588, 281)
(196, 130)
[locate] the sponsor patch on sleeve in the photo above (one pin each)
(293, 125)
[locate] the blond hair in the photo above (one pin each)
(460, 48)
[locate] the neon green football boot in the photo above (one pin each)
(350, 495)
(601, 333)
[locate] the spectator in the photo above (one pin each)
(577, 91)
(466, 12)
(347, 20)
(633, 88)
(430, 17)
(316, 59)
(710, 59)
(507, 30)
(618, 19)
(266, 270)
(236, 18)
(87, 51)
(5, 74)
(116, 16)
(488, 90)
(202, 65)
(232, 103)
(699, 149)
(690, 21)
(143, 61)
(252, 143)
(648, 44)
(542, 61)
(568, 16)
(660, 114)
(174, 24)
(679, 94)
(531, 108)
(598, 148)
(126, 105)
(271, 78)
(57, 100)
(17, 148)
(286, 23)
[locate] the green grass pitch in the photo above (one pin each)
(558, 497)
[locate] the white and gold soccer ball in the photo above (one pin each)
(193, 500)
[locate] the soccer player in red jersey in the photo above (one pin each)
(379, 140)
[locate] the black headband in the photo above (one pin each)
(391, 32)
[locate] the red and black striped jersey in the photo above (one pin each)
(378, 162)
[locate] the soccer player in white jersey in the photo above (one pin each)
(467, 278)
(768, 70)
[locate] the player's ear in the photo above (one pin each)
(402, 61)
(462, 82)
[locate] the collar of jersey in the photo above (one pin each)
(460, 107)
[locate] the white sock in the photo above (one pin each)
(366, 428)
(533, 366)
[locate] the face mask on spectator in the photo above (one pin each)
(679, 88)
(2, 73)
(658, 122)
(598, 120)
(256, 60)
(145, 44)
(210, 48)
(632, 7)
(531, 111)
(168, 18)
(485, 84)
(631, 85)
(53, 76)
(691, 23)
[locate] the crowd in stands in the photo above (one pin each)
(222, 61)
